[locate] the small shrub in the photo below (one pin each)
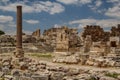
(113, 75)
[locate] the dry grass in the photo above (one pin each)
(44, 55)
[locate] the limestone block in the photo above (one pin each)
(84, 76)
(57, 76)
(73, 71)
(8, 77)
(25, 78)
(40, 77)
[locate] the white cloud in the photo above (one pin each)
(50, 7)
(68, 2)
(98, 3)
(8, 28)
(1, 27)
(113, 1)
(4, 19)
(7, 24)
(103, 23)
(47, 6)
(10, 32)
(27, 32)
(11, 24)
(57, 8)
(12, 7)
(57, 26)
(4, 1)
(114, 11)
(85, 1)
(32, 21)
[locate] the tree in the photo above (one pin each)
(2, 32)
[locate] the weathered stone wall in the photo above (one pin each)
(36, 33)
(53, 36)
(97, 33)
(116, 41)
(115, 31)
(62, 42)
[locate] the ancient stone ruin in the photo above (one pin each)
(97, 33)
(62, 43)
(36, 33)
(60, 54)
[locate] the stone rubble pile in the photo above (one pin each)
(86, 59)
(28, 69)
(67, 57)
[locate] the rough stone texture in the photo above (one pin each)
(25, 78)
(62, 42)
(40, 77)
(23, 65)
(2, 74)
(87, 43)
(9, 77)
(72, 72)
(97, 33)
(15, 72)
(97, 52)
(118, 77)
(115, 31)
(51, 72)
(36, 33)
(6, 70)
(67, 60)
(57, 76)
(84, 76)
(58, 37)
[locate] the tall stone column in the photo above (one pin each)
(19, 27)
(19, 50)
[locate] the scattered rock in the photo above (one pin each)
(57, 76)
(25, 78)
(8, 77)
(84, 76)
(1, 74)
(71, 60)
(6, 70)
(15, 72)
(27, 74)
(23, 65)
(118, 77)
(40, 77)
(73, 71)
(51, 68)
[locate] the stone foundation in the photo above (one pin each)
(19, 53)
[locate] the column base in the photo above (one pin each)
(19, 53)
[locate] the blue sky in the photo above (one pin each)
(46, 14)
